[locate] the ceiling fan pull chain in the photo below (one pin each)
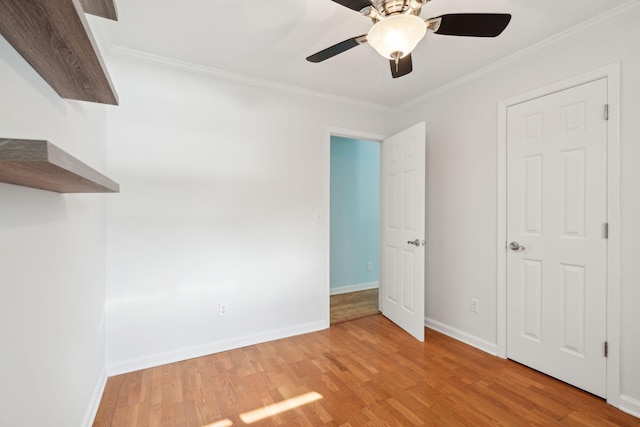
(396, 58)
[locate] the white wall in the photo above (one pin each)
(221, 186)
(52, 256)
(462, 183)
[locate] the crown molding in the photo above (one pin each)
(254, 81)
(624, 8)
(241, 78)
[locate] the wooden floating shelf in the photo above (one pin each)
(40, 164)
(55, 38)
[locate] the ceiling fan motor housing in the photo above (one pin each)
(393, 7)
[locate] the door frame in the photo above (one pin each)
(612, 74)
(345, 133)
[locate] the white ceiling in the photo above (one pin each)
(270, 39)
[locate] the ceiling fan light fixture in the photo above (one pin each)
(397, 34)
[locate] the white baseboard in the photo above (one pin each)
(630, 405)
(354, 288)
(465, 337)
(158, 359)
(96, 396)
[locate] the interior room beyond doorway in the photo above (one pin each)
(355, 228)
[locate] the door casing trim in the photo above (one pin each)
(612, 74)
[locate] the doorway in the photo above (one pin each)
(354, 228)
(402, 227)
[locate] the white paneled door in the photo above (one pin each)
(556, 234)
(402, 229)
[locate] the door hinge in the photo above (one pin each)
(606, 111)
(606, 230)
(606, 349)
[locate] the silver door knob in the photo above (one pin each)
(414, 242)
(515, 246)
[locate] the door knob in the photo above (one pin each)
(515, 246)
(414, 242)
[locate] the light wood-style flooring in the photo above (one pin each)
(366, 372)
(353, 305)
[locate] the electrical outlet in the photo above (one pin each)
(224, 309)
(369, 265)
(474, 305)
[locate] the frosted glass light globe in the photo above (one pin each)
(397, 33)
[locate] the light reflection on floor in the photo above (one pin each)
(221, 423)
(271, 410)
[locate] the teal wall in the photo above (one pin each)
(355, 211)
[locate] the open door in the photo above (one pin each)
(402, 223)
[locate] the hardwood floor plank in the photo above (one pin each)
(409, 414)
(368, 372)
(108, 402)
(353, 305)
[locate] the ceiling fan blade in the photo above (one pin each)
(332, 51)
(356, 5)
(473, 24)
(403, 67)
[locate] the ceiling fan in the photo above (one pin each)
(398, 29)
